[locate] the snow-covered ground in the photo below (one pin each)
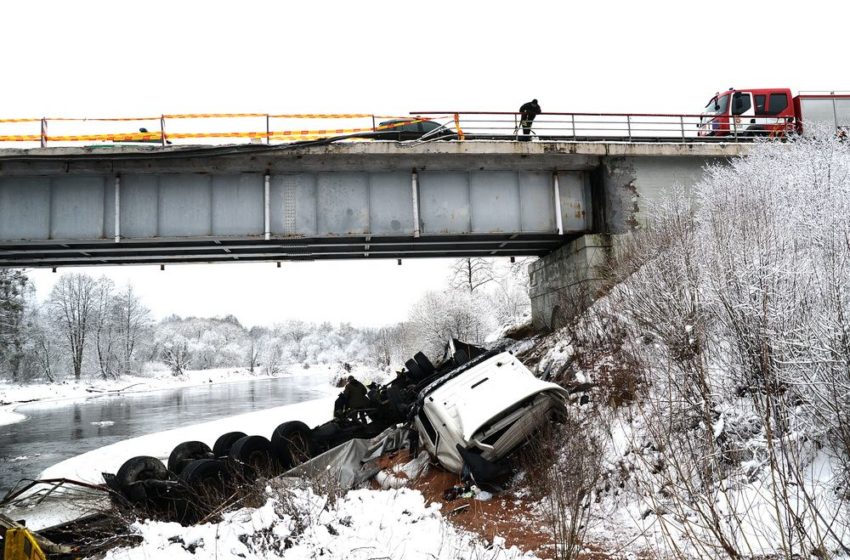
(299, 524)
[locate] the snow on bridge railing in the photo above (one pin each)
(211, 128)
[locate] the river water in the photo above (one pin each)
(57, 431)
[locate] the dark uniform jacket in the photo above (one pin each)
(355, 395)
(530, 110)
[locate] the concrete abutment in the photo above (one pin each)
(625, 187)
(567, 280)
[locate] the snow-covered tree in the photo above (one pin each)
(132, 322)
(104, 328)
(438, 316)
(72, 305)
(13, 295)
(733, 310)
(175, 353)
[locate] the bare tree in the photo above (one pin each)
(45, 351)
(72, 304)
(132, 320)
(255, 349)
(104, 323)
(471, 273)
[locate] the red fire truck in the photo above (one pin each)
(773, 112)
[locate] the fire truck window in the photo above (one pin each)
(760, 104)
(741, 104)
(717, 106)
(778, 103)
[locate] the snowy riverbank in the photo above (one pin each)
(13, 396)
(361, 524)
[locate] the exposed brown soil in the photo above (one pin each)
(506, 515)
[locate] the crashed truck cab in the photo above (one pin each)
(481, 413)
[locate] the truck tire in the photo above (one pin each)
(416, 373)
(251, 456)
(221, 447)
(141, 468)
(424, 363)
(292, 444)
(204, 472)
(187, 452)
(205, 485)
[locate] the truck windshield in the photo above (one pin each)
(717, 105)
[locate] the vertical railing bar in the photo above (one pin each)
(162, 129)
(682, 124)
(268, 130)
(629, 126)
(573, 121)
(43, 132)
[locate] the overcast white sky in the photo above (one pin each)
(130, 58)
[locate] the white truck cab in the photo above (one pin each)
(488, 409)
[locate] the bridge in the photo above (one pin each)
(137, 204)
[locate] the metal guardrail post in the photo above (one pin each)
(629, 126)
(573, 122)
(43, 132)
(735, 129)
(682, 124)
(268, 131)
(373, 124)
(162, 129)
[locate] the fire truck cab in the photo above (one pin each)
(748, 112)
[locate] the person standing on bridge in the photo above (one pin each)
(527, 112)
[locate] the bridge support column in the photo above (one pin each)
(567, 280)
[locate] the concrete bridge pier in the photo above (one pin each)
(567, 280)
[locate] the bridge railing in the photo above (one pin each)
(220, 128)
(194, 128)
(626, 127)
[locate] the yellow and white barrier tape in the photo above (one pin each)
(149, 136)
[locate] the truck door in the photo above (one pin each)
(743, 111)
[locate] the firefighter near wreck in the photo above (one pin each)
(354, 399)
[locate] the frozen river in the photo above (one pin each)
(55, 431)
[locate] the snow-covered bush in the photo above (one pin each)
(732, 304)
(439, 316)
